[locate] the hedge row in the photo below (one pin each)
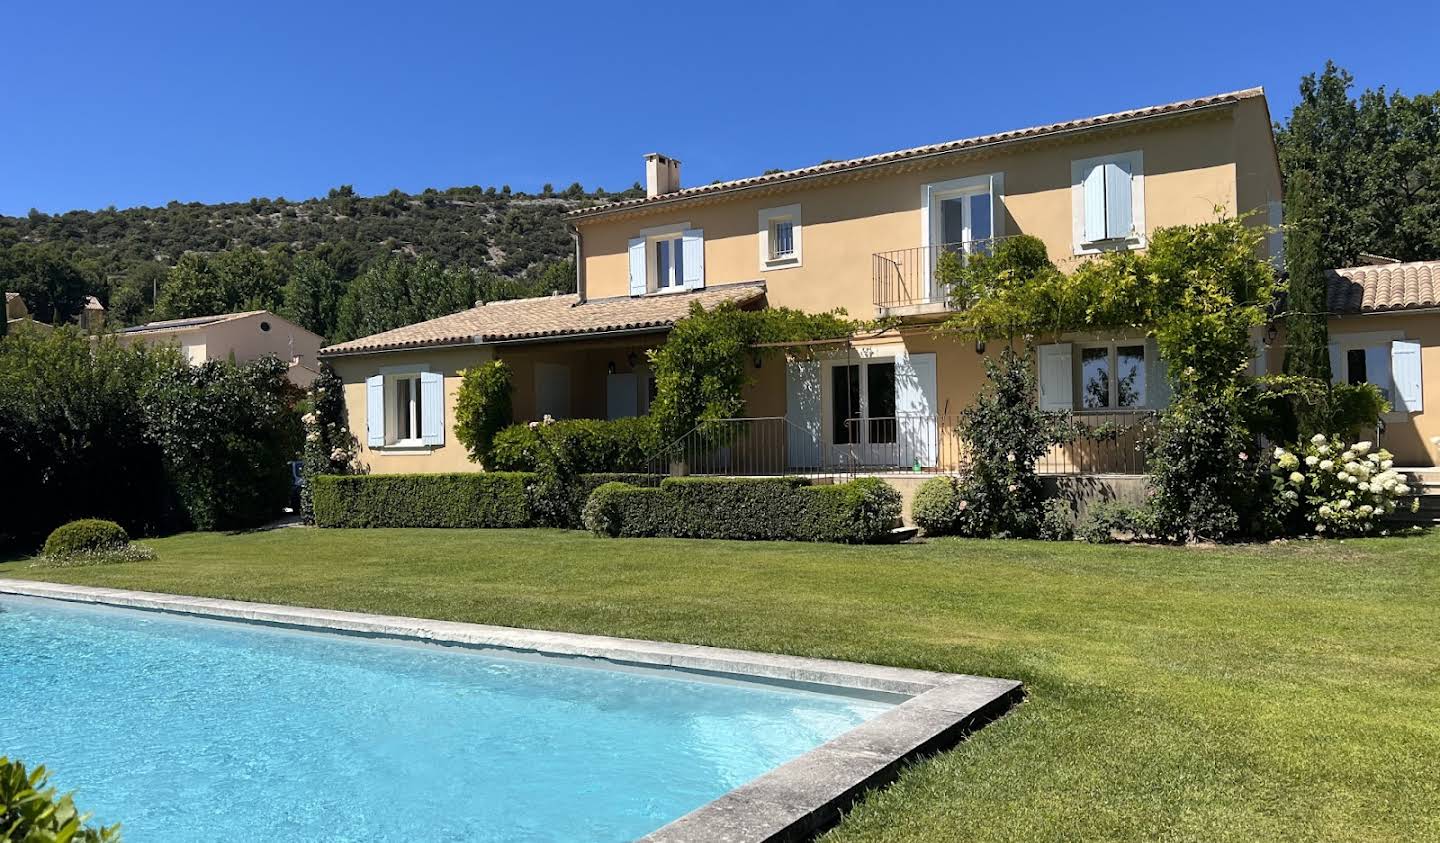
(783, 508)
(467, 499)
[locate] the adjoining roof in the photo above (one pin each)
(549, 317)
(191, 322)
(10, 296)
(885, 158)
(1382, 288)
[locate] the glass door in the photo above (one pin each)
(863, 426)
(962, 223)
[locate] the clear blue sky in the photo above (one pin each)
(139, 103)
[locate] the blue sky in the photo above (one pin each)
(139, 103)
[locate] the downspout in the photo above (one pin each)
(579, 262)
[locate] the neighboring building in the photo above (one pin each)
(91, 319)
(862, 235)
(17, 314)
(92, 316)
(243, 336)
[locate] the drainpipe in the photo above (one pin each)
(579, 262)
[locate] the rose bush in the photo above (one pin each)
(1334, 489)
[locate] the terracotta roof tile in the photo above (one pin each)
(932, 149)
(548, 316)
(1384, 287)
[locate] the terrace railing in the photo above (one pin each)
(906, 277)
(1105, 443)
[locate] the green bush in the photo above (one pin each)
(482, 408)
(936, 506)
(1109, 521)
(1057, 520)
(30, 812)
(591, 446)
(87, 535)
(784, 508)
(471, 499)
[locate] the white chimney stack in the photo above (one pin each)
(662, 175)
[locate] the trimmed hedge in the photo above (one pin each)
(783, 508)
(462, 499)
(469, 499)
(87, 535)
(587, 446)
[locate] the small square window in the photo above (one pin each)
(779, 232)
(782, 239)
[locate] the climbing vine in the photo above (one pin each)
(704, 365)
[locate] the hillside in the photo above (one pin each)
(505, 242)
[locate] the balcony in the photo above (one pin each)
(905, 282)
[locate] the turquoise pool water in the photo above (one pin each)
(185, 729)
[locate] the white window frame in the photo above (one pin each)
(392, 376)
(675, 234)
(1138, 239)
(827, 398)
(1359, 341)
(766, 222)
(1112, 405)
(932, 194)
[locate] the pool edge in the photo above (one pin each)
(792, 802)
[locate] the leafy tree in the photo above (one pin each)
(482, 408)
(312, 296)
(398, 291)
(1375, 167)
(192, 288)
(51, 283)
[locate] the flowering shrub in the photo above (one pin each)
(329, 446)
(1336, 489)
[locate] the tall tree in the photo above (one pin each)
(312, 296)
(51, 283)
(1375, 165)
(398, 291)
(1307, 338)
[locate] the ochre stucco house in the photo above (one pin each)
(861, 235)
(241, 336)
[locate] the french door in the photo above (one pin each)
(863, 428)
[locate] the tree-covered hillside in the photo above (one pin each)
(300, 258)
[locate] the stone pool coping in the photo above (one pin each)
(791, 802)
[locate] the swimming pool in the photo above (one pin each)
(179, 726)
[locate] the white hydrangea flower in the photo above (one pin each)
(1297, 478)
(1319, 439)
(1312, 460)
(1280, 452)
(1319, 528)
(1387, 464)
(1364, 487)
(1326, 465)
(1402, 489)
(1291, 495)
(1366, 509)
(1323, 449)
(1351, 479)
(1362, 447)
(1342, 504)
(1326, 511)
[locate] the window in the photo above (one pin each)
(667, 259)
(779, 235)
(1111, 377)
(960, 215)
(1355, 367)
(406, 411)
(863, 403)
(669, 269)
(1108, 199)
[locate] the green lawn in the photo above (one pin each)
(1287, 692)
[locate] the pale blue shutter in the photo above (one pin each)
(1405, 371)
(375, 411)
(1057, 391)
(1118, 216)
(432, 408)
(915, 403)
(1337, 369)
(1094, 188)
(693, 255)
(802, 413)
(637, 266)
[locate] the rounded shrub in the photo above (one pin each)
(601, 514)
(936, 506)
(87, 535)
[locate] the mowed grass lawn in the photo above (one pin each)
(1287, 692)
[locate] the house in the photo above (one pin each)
(241, 336)
(862, 235)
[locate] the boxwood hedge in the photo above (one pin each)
(462, 499)
(785, 508)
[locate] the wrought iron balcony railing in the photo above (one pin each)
(906, 278)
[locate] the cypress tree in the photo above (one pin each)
(1307, 335)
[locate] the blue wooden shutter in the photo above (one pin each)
(1094, 188)
(637, 266)
(915, 408)
(802, 414)
(375, 411)
(1409, 395)
(432, 408)
(693, 255)
(1057, 390)
(1118, 217)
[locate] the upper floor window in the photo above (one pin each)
(1108, 202)
(667, 259)
(779, 233)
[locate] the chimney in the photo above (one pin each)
(662, 175)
